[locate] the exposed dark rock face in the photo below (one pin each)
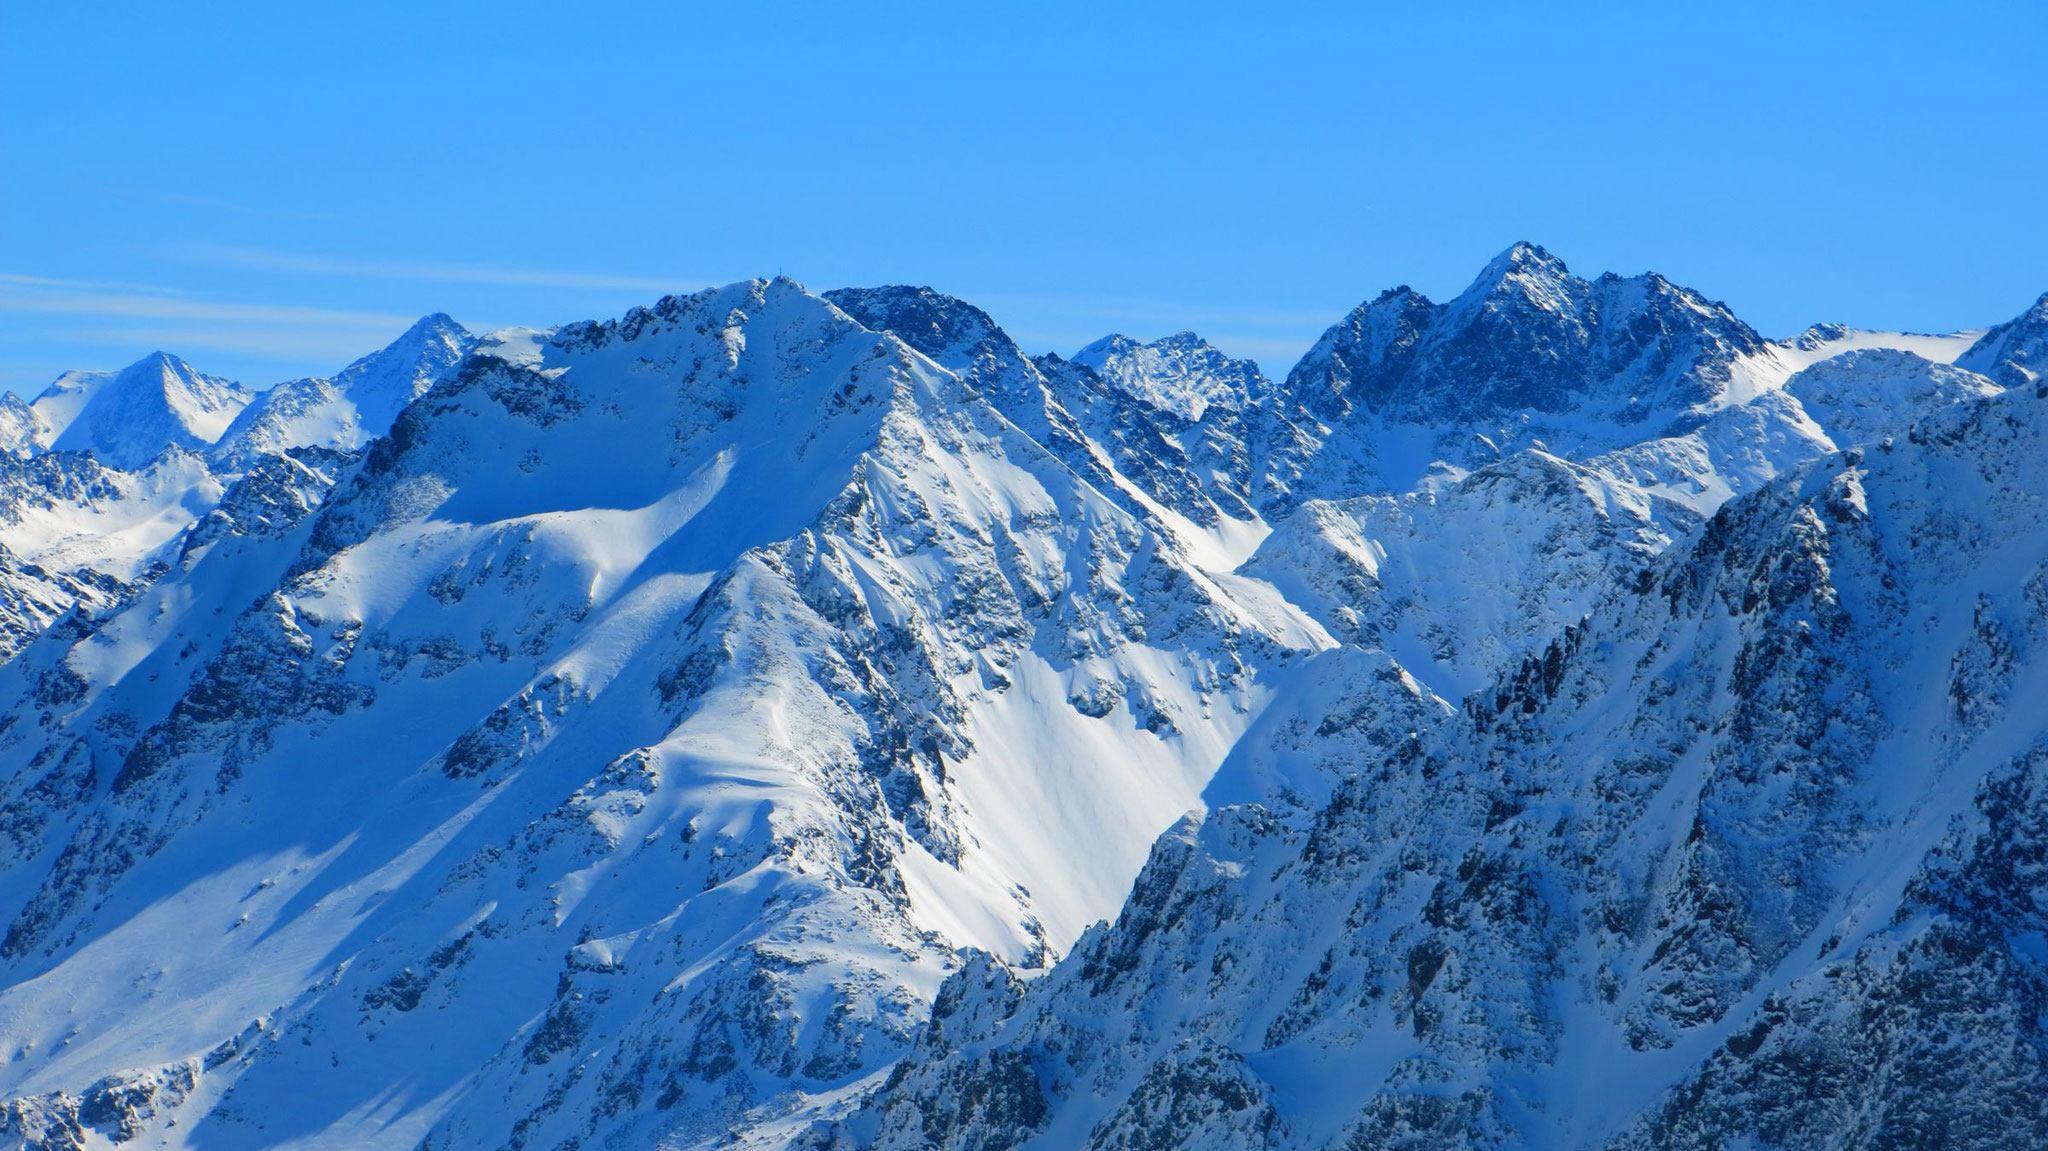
(1527, 336)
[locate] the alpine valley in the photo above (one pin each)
(1557, 717)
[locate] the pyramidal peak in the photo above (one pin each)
(1525, 259)
(433, 329)
(1115, 343)
(1526, 272)
(386, 380)
(128, 418)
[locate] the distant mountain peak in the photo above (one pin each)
(128, 418)
(1527, 337)
(1525, 257)
(358, 404)
(1526, 271)
(1182, 374)
(1820, 335)
(434, 322)
(385, 381)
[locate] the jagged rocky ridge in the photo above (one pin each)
(1723, 864)
(625, 749)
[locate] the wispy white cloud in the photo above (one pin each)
(266, 260)
(17, 278)
(331, 346)
(43, 313)
(137, 305)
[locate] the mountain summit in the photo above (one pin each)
(357, 405)
(1182, 373)
(2014, 353)
(129, 417)
(1528, 338)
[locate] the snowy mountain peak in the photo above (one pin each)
(129, 417)
(1530, 271)
(1820, 336)
(1522, 278)
(1115, 344)
(386, 380)
(2014, 353)
(1528, 340)
(437, 330)
(1181, 373)
(354, 407)
(957, 336)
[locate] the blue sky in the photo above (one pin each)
(270, 190)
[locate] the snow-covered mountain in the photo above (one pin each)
(2014, 353)
(1750, 857)
(734, 591)
(1551, 717)
(127, 418)
(1528, 355)
(1180, 373)
(356, 406)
